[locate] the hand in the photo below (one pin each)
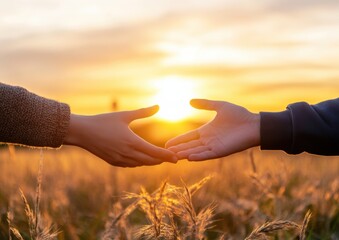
(232, 130)
(109, 137)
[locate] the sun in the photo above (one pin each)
(173, 95)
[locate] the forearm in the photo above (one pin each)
(303, 127)
(31, 120)
(109, 137)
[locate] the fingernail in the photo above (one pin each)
(174, 159)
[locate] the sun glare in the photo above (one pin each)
(173, 96)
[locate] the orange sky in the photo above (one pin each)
(263, 55)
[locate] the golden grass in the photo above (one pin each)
(302, 235)
(36, 229)
(268, 228)
(85, 198)
(162, 208)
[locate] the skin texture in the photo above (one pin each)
(234, 129)
(109, 137)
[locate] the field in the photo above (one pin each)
(110, 56)
(82, 197)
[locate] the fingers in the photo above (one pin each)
(206, 104)
(197, 150)
(202, 156)
(187, 137)
(136, 158)
(155, 152)
(185, 146)
(129, 116)
(142, 159)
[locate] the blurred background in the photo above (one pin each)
(262, 55)
(109, 55)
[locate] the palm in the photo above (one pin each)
(209, 136)
(224, 135)
(109, 137)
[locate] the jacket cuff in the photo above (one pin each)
(276, 130)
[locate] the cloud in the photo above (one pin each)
(58, 58)
(247, 29)
(297, 85)
(289, 6)
(279, 46)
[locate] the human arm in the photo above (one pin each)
(32, 120)
(232, 130)
(302, 127)
(29, 119)
(109, 137)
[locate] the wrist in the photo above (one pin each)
(76, 126)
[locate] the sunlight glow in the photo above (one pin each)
(204, 54)
(173, 96)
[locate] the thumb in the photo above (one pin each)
(206, 104)
(141, 113)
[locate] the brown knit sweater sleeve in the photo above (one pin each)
(28, 119)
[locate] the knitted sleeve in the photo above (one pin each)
(302, 127)
(28, 119)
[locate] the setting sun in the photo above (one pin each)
(173, 96)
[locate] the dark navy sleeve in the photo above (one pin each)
(302, 128)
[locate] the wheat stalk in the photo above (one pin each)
(33, 217)
(175, 230)
(195, 187)
(167, 201)
(29, 215)
(38, 192)
(156, 207)
(8, 218)
(16, 233)
(116, 226)
(270, 227)
(12, 229)
(307, 218)
(186, 199)
(197, 223)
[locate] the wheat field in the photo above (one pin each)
(69, 194)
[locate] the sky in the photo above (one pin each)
(260, 54)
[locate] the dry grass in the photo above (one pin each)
(36, 229)
(85, 198)
(268, 228)
(167, 208)
(271, 227)
(302, 235)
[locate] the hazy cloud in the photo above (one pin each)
(301, 5)
(267, 43)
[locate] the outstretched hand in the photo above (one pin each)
(109, 137)
(232, 130)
